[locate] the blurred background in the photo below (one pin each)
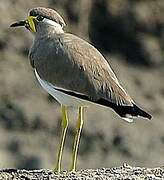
(130, 34)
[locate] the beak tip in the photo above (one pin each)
(19, 23)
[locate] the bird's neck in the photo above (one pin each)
(46, 30)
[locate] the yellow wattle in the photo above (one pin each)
(31, 23)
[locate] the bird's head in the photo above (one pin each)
(40, 18)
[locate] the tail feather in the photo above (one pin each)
(131, 111)
(139, 112)
(126, 112)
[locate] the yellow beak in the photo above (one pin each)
(30, 21)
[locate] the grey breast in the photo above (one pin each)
(71, 63)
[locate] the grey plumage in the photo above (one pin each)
(69, 56)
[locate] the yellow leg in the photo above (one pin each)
(77, 138)
(64, 125)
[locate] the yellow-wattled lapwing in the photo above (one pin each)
(74, 73)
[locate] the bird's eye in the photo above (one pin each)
(40, 18)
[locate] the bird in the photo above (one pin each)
(75, 73)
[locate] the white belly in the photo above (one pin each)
(61, 97)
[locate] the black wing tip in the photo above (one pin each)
(141, 112)
(124, 110)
